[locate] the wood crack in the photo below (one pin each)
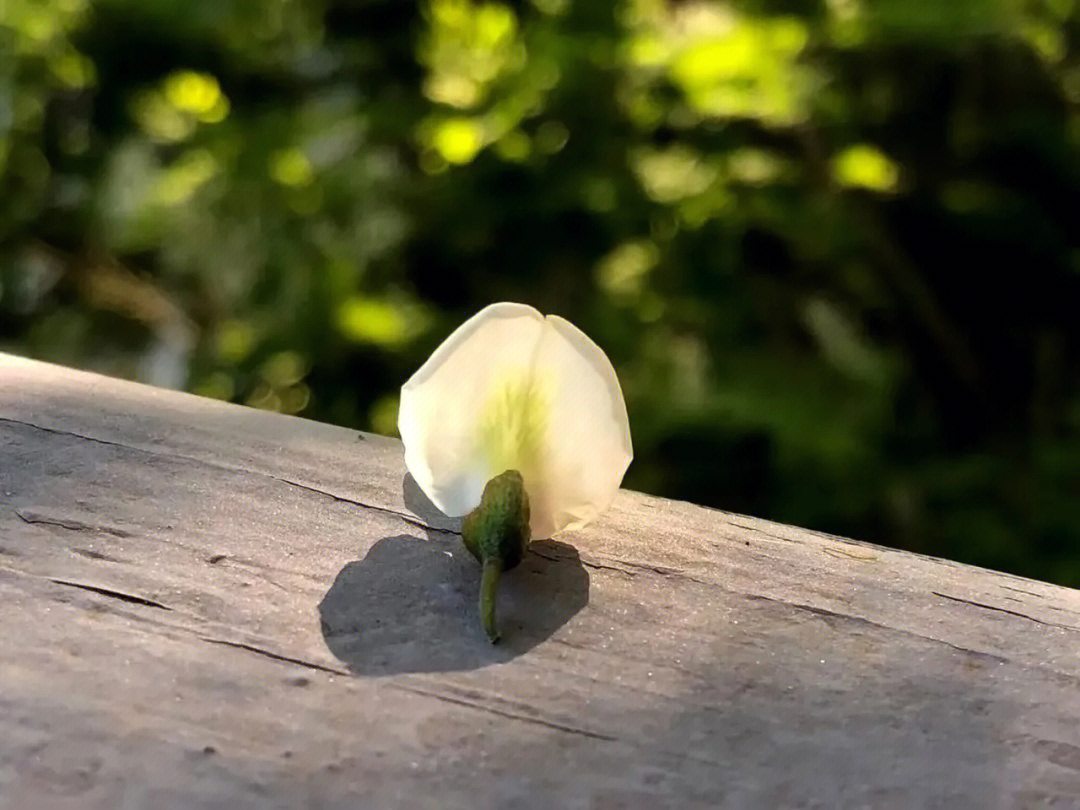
(546, 556)
(663, 571)
(1021, 590)
(33, 518)
(181, 457)
(342, 499)
(109, 592)
(524, 718)
(828, 615)
(59, 432)
(459, 701)
(1016, 613)
(763, 532)
(287, 659)
(832, 614)
(602, 567)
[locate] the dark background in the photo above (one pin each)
(831, 247)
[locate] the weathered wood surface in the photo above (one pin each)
(209, 606)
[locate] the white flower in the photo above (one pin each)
(513, 390)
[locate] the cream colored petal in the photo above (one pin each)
(460, 414)
(507, 390)
(586, 447)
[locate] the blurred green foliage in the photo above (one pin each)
(832, 246)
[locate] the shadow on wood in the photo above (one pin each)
(410, 605)
(420, 505)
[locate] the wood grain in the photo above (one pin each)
(207, 606)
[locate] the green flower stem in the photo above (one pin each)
(489, 579)
(496, 533)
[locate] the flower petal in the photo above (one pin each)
(510, 389)
(447, 402)
(587, 448)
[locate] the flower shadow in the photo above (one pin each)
(420, 505)
(410, 605)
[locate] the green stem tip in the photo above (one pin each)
(497, 533)
(489, 580)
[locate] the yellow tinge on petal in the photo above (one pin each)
(512, 424)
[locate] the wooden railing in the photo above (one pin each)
(205, 605)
